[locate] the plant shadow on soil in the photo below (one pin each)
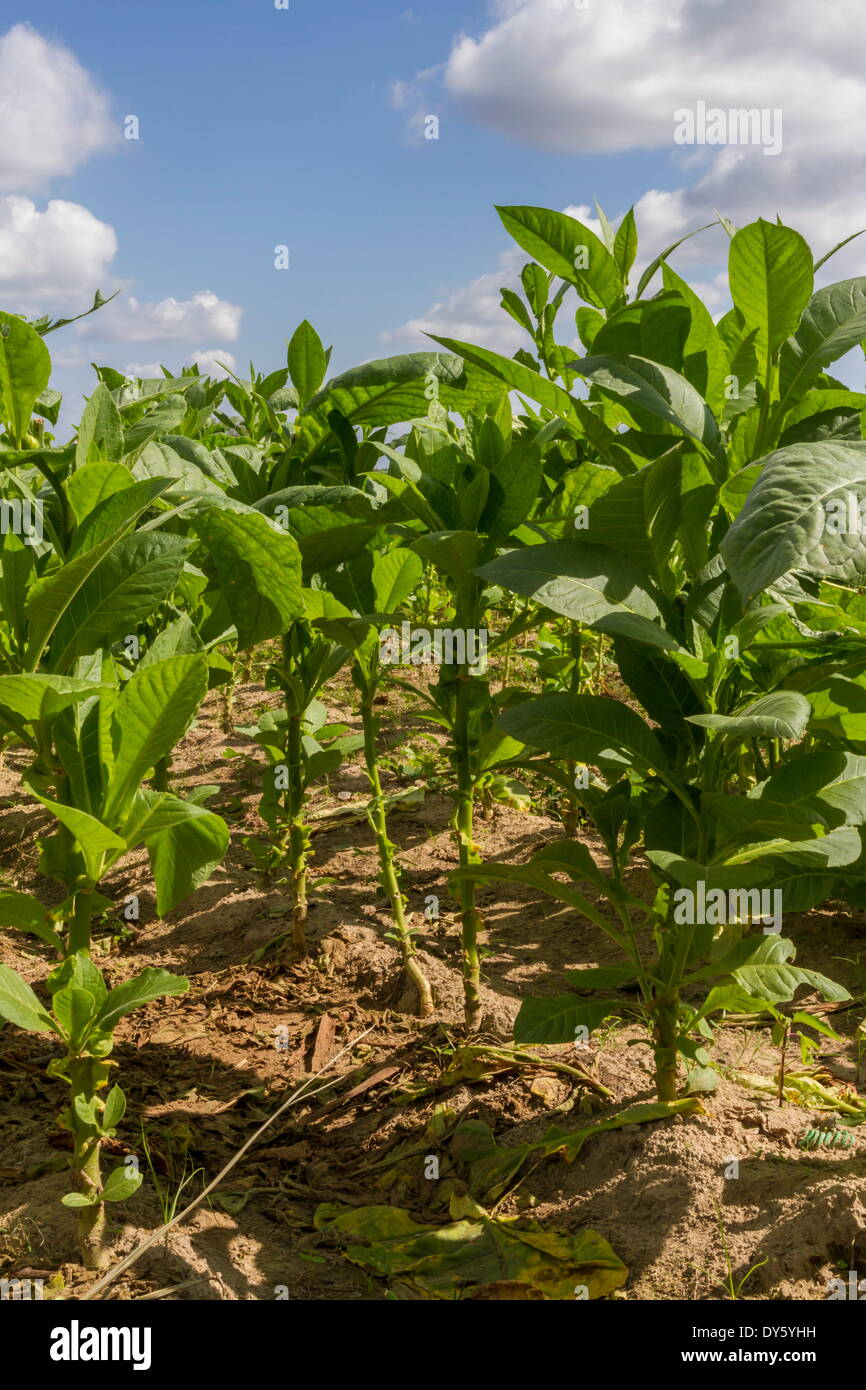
(203, 1071)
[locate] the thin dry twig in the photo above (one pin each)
(302, 1093)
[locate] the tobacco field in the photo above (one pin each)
(454, 769)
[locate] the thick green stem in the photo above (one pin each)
(80, 921)
(387, 863)
(664, 1039)
(85, 1073)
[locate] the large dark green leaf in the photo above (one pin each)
(583, 728)
(783, 525)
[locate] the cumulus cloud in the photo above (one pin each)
(53, 115)
(53, 257)
(212, 362)
(204, 315)
(610, 77)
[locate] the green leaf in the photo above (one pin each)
(74, 1009)
(115, 1108)
(396, 575)
(833, 322)
(833, 783)
(154, 711)
(648, 386)
(557, 242)
(94, 839)
(558, 1020)
(184, 841)
(259, 569)
(625, 245)
(579, 580)
(771, 278)
(769, 975)
(307, 362)
(783, 524)
(583, 728)
(26, 913)
(120, 1185)
(783, 714)
(19, 1005)
(132, 994)
(25, 366)
(42, 696)
(100, 433)
(87, 487)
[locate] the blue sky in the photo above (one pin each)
(262, 126)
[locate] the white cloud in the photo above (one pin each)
(212, 361)
(54, 258)
(53, 115)
(471, 313)
(204, 315)
(610, 77)
(143, 369)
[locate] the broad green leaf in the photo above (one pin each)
(646, 385)
(769, 975)
(559, 1020)
(640, 514)
(25, 367)
(396, 575)
(115, 1108)
(582, 581)
(786, 523)
(75, 1009)
(95, 841)
(259, 569)
(94, 483)
(783, 714)
(154, 711)
(132, 994)
(583, 728)
(565, 246)
(833, 322)
(121, 1184)
(19, 1005)
(184, 842)
(771, 278)
(26, 913)
(42, 696)
(831, 782)
(129, 584)
(395, 389)
(100, 433)
(307, 362)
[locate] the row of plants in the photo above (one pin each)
(680, 494)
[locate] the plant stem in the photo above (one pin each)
(387, 864)
(468, 854)
(664, 1039)
(80, 921)
(85, 1073)
(298, 840)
